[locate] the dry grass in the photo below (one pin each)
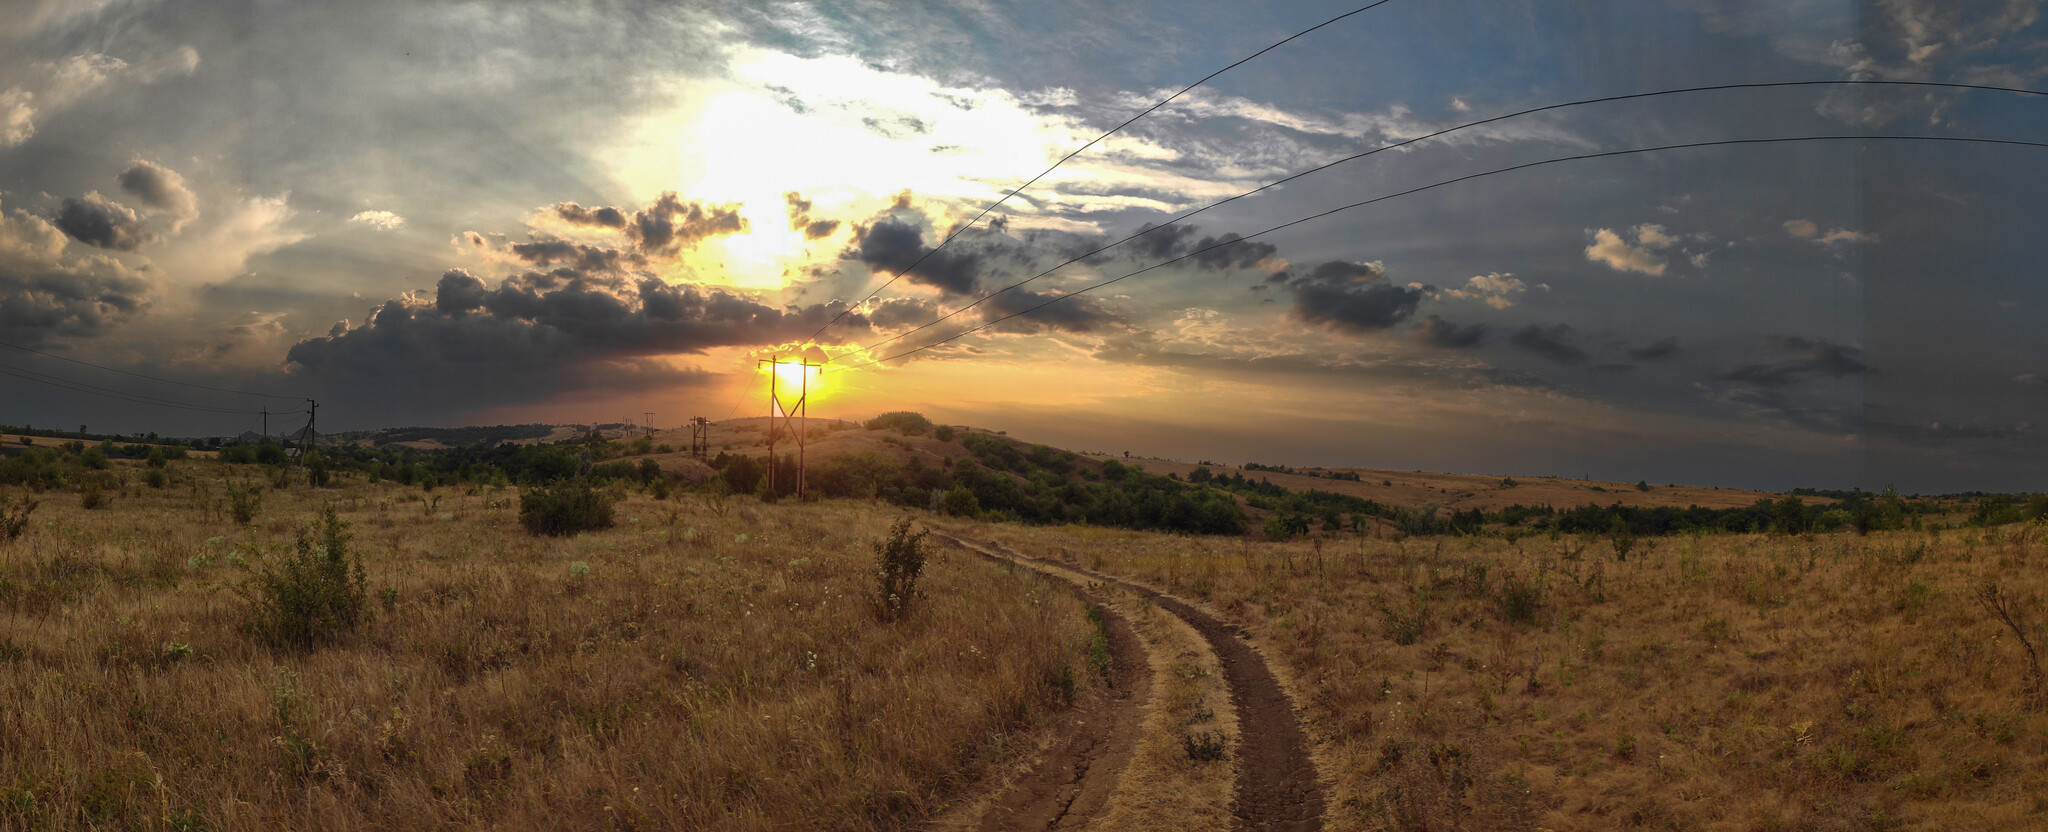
(1711, 683)
(706, 667)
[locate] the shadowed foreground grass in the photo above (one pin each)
(1711, 683)
(701, 666)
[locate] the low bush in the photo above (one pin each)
(899, 562)
(312, 595)
(564, 509)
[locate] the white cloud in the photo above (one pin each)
(1653, 237)
(1809, 230)
(380, 219)
(1843, 235)
(1492, 289)
(1610, 249)
(17, 117)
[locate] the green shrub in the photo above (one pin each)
(943, 433)
(244, 501)
(315, 594)
(960, 502)
(901, 421)
(93, 497)
(94, 458)
(156, 458)
(156, 478)
(565, 508)
(1519, 599)
(899, 561)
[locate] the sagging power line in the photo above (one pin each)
(1405, 143)
(1077, 151)
(1444, 183)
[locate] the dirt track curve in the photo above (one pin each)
(1077, 773)
(1277, 787)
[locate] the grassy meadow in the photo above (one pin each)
(705, 664)
(1717, 682)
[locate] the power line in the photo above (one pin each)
(132, 398)
(1077, 151)
(1465, 178)
(151, 378)
(1397, 145)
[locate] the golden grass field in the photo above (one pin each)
(1709, 683)
(716, 666)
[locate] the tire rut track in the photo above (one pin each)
(1073, 779)
(1277, 787)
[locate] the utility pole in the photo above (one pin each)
(700, 437)
(306, 446)
(266, 424)
(650, 420)
(780, 417)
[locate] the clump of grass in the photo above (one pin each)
(1204, 747)
(14, 515)
(244, 501)
(314, 594)
(93, 497)
(899, 562)
(565, 509)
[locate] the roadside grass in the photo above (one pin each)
(1716, 682)
(694, 667)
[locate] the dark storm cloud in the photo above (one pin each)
(584, 257)
(605, 217)
(161, 189)
(892, 245)
(896, 313)
(1796, 359)
(539, 322)
(1655, 352)
(1077, 315)
(1438, 332)
(1352, 296)
(1228, 253)
(1556, 342)
(45, 293)
(98, 221)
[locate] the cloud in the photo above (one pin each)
(1841, 235)
(379, 219)
(1804, 229)
(1658, 351)
(1795, 359)
(98, 221)
(664, 227)
(574, 214)
(800, 218)
(1438, 332)
(1556, 342)
(44, 293)
(56, 85)
(541, 329)
(892, 245)
(1353, 296)
(1493, 289)
(162, 190)
(1654, 237)
(1610, 249)
(17, 116)
(1078, 315)
(670, 224)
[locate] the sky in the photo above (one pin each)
(450, 213)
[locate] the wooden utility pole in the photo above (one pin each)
(266, 424)
(306, 440)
